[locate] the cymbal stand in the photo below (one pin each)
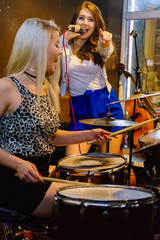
(137, 69)
(137, 90)
(108, 128)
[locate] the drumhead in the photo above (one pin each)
(92, 162)
(150, 137)
(105, 194)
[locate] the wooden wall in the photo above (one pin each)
(14, 13)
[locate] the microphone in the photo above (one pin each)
(72, 29)
(134, 33)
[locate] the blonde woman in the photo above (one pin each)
(29, 120)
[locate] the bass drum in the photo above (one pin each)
(97, 168)
(108, 212)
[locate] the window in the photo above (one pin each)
(142, 5)
(142, 17)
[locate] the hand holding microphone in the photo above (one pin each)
(73, 31)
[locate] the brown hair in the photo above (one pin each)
(89, 49)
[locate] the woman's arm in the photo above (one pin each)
(25, 169)
(105, 47)
(64, 138)
(4, 96)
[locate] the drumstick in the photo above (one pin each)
(49, 179)
(127, 129)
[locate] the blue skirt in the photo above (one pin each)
(93, 104)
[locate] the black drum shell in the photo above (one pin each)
(127, 221)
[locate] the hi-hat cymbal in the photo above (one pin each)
(139, 96)
(107, 122)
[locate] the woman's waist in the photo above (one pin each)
(89, 92)
(81, 91)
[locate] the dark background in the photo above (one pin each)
(14, 12)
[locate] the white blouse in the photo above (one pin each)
(83, 75)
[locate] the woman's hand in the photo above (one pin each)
(28, 172)
(65, 138)
(105, 38)
(99, 134)
(72, 34)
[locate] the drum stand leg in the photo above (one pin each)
(107, 143)
(130, 158)
(107, 147)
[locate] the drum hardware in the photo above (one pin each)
(125, 173)
(68, 176)
(105, 214)
(154, 172)
(83, 209)
(126, 212)
(111, 176)
(131, 128)
(89, 177)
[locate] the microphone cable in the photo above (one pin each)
(69, 88)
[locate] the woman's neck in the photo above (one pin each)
(77, 45)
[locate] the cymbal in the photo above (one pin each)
(138, 97)
(107, 122)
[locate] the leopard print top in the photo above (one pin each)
(28, 131)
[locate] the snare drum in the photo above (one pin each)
(109, 212)
(93, 167)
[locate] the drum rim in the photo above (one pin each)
(146, 147)
(112, 169)
(142, 143)
(108, 203)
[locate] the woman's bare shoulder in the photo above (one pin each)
(6, 84)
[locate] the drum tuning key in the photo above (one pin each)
(111, 176)
(56, 206)
(105, 214)
(126, 212)
(89, 177)
(68, 176)
(83, 209)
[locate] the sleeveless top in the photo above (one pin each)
(28, 131)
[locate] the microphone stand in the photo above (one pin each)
(136, 91)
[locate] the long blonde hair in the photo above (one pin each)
(31, 41)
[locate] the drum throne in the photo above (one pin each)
(18, 226)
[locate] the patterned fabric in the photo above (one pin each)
(28, 131)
